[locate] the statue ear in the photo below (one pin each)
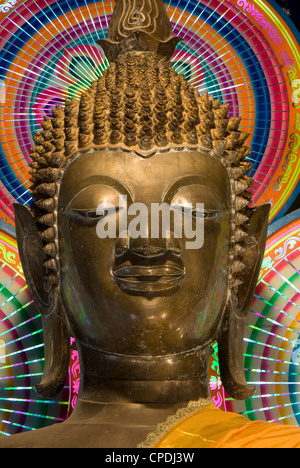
(231, 333)
(47, 302)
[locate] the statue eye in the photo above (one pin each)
(205, 214)
(208, 214)
(87, 216)
(201, 213)
(93, 214)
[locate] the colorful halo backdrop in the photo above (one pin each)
(243, 52)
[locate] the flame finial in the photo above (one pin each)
(139, 25)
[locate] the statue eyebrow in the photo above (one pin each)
(97, 180)
(106, 180)
(187, 181)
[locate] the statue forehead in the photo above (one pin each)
(161, 169)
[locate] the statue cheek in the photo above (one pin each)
(82, 250)
(209, 263)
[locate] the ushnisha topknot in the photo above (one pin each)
(141, 105)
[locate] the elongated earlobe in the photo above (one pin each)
(57, 353)
(231, 359)
(231, 333)
(47, 302)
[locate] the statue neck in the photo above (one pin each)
(172, 379)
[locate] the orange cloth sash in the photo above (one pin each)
(210, 427)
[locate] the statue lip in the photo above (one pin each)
(148, 278)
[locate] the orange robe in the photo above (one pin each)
(210, 427)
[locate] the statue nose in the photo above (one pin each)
(147, 247)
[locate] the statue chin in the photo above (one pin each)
(140, 243)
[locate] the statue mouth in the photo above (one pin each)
(154, 278)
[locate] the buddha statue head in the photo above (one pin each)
(142, 139)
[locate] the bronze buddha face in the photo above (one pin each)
(143, 296)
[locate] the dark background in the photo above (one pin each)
(292, 10)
